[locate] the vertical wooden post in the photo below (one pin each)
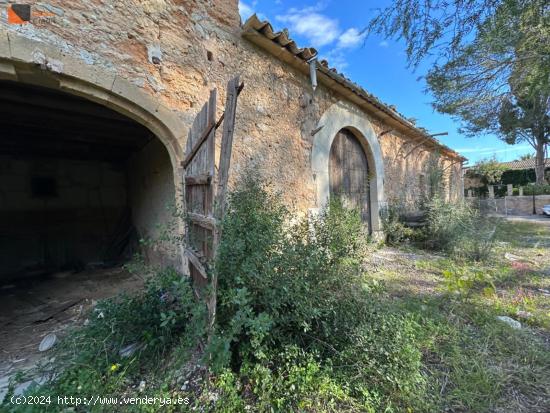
(233, 90)
(204, 203)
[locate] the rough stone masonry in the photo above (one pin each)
(156, 61)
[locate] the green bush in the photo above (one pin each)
(299, 286)
(463, 280)
(274, 277)
(295, 381)
(459, 229)
(541, 189)
(394, 228)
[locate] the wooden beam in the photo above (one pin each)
(48, 136)
(61, 103)
(203, 179)
(202, 220)
(233, 90)
(196, 262)
(66, 108)
(44, 119)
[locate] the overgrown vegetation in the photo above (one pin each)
(306, 324)
(296, 291)
(489, 170)
(455, 228)
(123, 339)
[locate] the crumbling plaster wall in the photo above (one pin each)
(197, 46)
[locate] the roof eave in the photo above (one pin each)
(348, 89)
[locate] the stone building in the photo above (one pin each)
(97, 98)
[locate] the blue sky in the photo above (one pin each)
(379, 65)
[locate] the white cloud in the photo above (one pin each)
(471, 150)
(336, 58)
(351, 38)
(322, 32)
(383, 43)
(245, 10)
(318, 29)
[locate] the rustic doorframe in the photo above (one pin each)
(338, 117)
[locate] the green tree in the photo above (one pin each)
(489, 170)
(492, 65)
(526, 157)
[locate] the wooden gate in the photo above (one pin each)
(349, 173)
(205, 188)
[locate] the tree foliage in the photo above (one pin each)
(492, 70)
(526, 157)
(489, 170)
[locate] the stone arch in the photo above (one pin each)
(334, 119)
(30, 61)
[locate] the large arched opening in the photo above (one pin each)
(81, 185)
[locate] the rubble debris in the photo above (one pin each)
(512, 257)
(516, 325)
(47, 342)
(130, 349)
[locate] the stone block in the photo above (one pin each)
(4, 45)
(131, 92)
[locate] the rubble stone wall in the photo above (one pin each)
(166, 55)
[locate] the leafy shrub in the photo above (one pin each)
(275, 277)
(395, 229)
(540, 189)
(489, 170)
(463, 280)
(299, 286)
(459, 229)
(295, 381)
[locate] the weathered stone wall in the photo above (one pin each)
(151, 197)
(408, 168)
(512, 205)
(176, 51)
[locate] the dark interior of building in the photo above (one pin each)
(80, 185)
(64, 199)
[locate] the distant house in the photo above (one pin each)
(518, 173)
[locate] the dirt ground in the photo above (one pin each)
(33, 308)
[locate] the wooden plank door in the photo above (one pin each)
(205, 208)
(199, 167)
(349, 173)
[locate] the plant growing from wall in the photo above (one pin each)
(435, 177)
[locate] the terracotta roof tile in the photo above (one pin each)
(282, 39)
(524, 164)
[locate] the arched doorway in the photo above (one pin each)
(80, 182)
(344, 123)
(349, 174)
(80, 186)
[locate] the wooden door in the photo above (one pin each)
(349, 174)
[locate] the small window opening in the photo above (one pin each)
(43, 187)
